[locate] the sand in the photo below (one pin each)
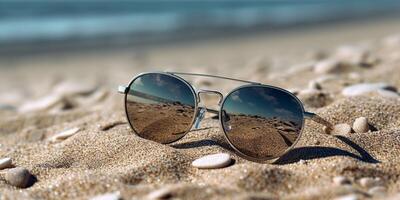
(105, 156)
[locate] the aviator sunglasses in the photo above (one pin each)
(260, 122)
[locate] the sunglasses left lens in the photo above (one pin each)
(160, 107)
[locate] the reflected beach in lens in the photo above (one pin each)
(160, 107)
(262, 122)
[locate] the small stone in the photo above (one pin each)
(377, 191)
(351, 54)
(18, 177)
(213, 161)
(109, 125)
(347, 197)
(41, 104)
(65, 134)
(354, 76)
(388, 94)
(368, 182)
(302, 162)
(72, 88)
(5, 163)
(341, 129)
(361, 125)
(326, 66)
(341, 180)
(163, 193)
(108, 196)
(359, 89)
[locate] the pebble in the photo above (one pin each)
(5, 163)
(341, 180)
(359, 89)
(361, 125)
(326, 66)
(354, 75)
(163, 193)
(352, 54)
(368, 182)
(377, 191)
(65, 134)
(18, 177)
(213, 161)
(108, 196)
(41, 104)
(341, 129)
(347, 197)
(72, 88)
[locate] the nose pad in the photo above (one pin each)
(200, 117)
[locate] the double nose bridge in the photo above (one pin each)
(204, 91)
(202, 110)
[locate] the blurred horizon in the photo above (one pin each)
(61, 23)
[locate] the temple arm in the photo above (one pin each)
(320, 120)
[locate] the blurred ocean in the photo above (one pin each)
(52, 21)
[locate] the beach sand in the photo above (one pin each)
(45, 94)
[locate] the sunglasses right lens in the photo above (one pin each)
(262, 122)
(160, 107)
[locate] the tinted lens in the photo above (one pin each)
(262, 122)
(160, 107)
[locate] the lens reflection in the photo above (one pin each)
(261, 121)
(160, 107)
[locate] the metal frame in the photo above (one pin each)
(306, 115)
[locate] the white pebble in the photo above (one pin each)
(213, 161)
(108, 196)
(18, 177)
(368, 182)
(326, 66)
(377, 191)
(162, 193)
(41, 104)
(5, 163)
(65, 134)
(360, 125)
(72, 88)
(359, 89)
(352, 54)
(341, 129)
(341, 180)
(347, 197)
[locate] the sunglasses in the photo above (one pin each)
(260, 122)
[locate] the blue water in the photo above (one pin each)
(73, 20)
